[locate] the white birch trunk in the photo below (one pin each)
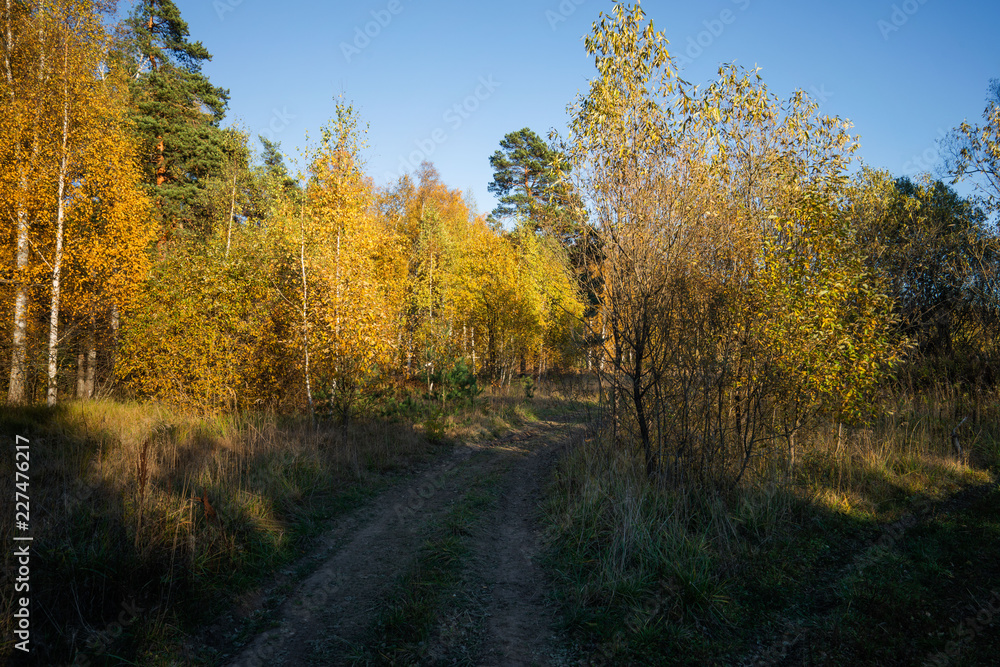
(53, 365)
(305, 315)
(89, 385)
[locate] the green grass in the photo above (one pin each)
(872, 553)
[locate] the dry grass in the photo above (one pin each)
(179, 512)
(176, 511)
(648, 571)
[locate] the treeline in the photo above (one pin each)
(152, 253)
(704, 248)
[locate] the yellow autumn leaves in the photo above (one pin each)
(345, 289)
(75, 221)
(738, 304)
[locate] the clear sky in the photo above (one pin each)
(903, 71)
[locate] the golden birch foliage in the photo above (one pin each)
(488, 283)
(432, 223)
(65, 117)
(548, 280)
(199, 334)
(342, 248)
(28, 131)
(732, 284)
(110, 221)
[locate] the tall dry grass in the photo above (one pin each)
(178, 512)
(175, 512)
(645, 566)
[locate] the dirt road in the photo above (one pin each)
(497, 611)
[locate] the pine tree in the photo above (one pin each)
(529, 181)
(177, 114)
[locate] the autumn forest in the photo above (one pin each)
(722, 358)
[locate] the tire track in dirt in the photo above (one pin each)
(501, 612)
(520, 615)
(338, 600)
(327, 615)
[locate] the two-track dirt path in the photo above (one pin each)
(327, 617)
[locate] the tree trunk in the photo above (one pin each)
(19, 339)
(305, 316)
(53, 364)
(81, 368)
(91, 381)
(19, 342)
(638, 400)
(115, 324)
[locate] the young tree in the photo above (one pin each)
(975, 150)
(348, 322)
(733, 290)
(230, 192)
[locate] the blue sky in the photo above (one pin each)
(903, 71)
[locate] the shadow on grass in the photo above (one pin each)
(148, 521)
(873, 555)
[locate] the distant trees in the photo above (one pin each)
(702, 247)
(938, 260)
(975, 150)
(474, 292)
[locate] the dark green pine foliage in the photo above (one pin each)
(529, 179)
(177, 112)
(526, 178)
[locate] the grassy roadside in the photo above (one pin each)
(883, 549)
(150, 521)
